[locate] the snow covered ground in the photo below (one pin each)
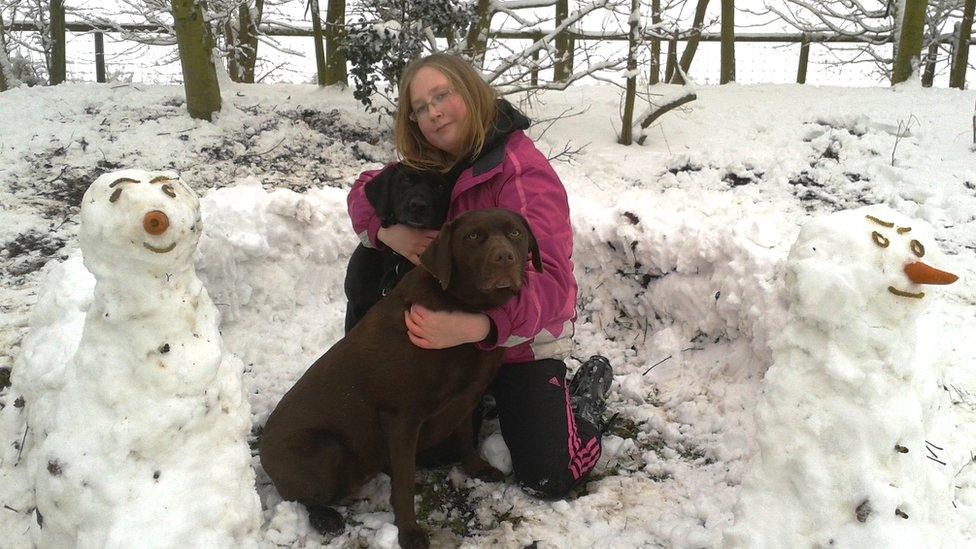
(681, 250)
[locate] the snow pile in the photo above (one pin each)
(681, 257)
(274, 263)
(849, 403)
(129, 417)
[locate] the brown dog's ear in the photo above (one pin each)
(533, 248)
(437, 257)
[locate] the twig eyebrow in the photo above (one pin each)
(903, 230)
(121, 181)
(879, 222)
(159, 178)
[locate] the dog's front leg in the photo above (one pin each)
(401, 435)
(471, 461)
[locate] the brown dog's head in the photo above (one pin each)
(479, 258)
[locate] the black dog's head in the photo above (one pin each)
(401, 194)
(480, 257)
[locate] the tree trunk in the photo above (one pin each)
(689, 53)
(335, 26)
(231, 42)
(672, 61)
(196, 46)
(960, 59)
(247, 39)
(317, 36)
(477, 40)
(59, 63)
(655, 75)
(727, 71)
(929, 75)
(562, 42)
(4, 67)
(909, 41)
(7, 81)
(626, 129)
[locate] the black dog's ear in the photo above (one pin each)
(437, 257)
(379, 193)
(533, 248)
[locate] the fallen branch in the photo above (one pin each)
(673, 104)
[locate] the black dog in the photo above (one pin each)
(403, 195)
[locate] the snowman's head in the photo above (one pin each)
(871, 262)
(139, 219)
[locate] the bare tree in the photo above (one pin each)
(873, 23)
(960, 61)
(692, 45)
(335, 60)
(910, 37)
(241, 39)
(196, 46)
(627, 127)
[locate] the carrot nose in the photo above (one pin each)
(155, 223)
(920, 273)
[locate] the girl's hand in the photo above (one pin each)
(406, 241)
(442, 329)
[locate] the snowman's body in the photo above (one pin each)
(139, 439)
(843, 458)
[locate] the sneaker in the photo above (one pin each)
(589, 388)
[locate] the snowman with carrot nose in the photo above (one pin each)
(845, 421)
(139, 435)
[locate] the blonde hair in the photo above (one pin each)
(479, 98)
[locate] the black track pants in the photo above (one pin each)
(552, 451)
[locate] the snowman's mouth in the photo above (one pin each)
(901, 293)
(152, 248)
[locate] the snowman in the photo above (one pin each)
(138, 439)
(843, 457)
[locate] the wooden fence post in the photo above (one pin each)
(929, 75)
(562, 41)
(727, 68)
(99, 58)
(59, 64)
(801, 71)
(535, 62)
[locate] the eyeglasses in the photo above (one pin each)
(423, 112)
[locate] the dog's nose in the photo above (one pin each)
(417, 206)
(503, 257)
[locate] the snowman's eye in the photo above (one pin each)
(917, 248)
(879, 239)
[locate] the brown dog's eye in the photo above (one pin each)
(473, 236)
(515, 233)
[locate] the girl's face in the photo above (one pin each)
(438, 110)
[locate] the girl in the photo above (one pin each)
(449, 120)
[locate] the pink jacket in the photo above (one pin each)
(538, 323)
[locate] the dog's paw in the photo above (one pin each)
(325, 520)
(482, 470)
(413, 537)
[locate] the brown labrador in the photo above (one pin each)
(374, 400)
